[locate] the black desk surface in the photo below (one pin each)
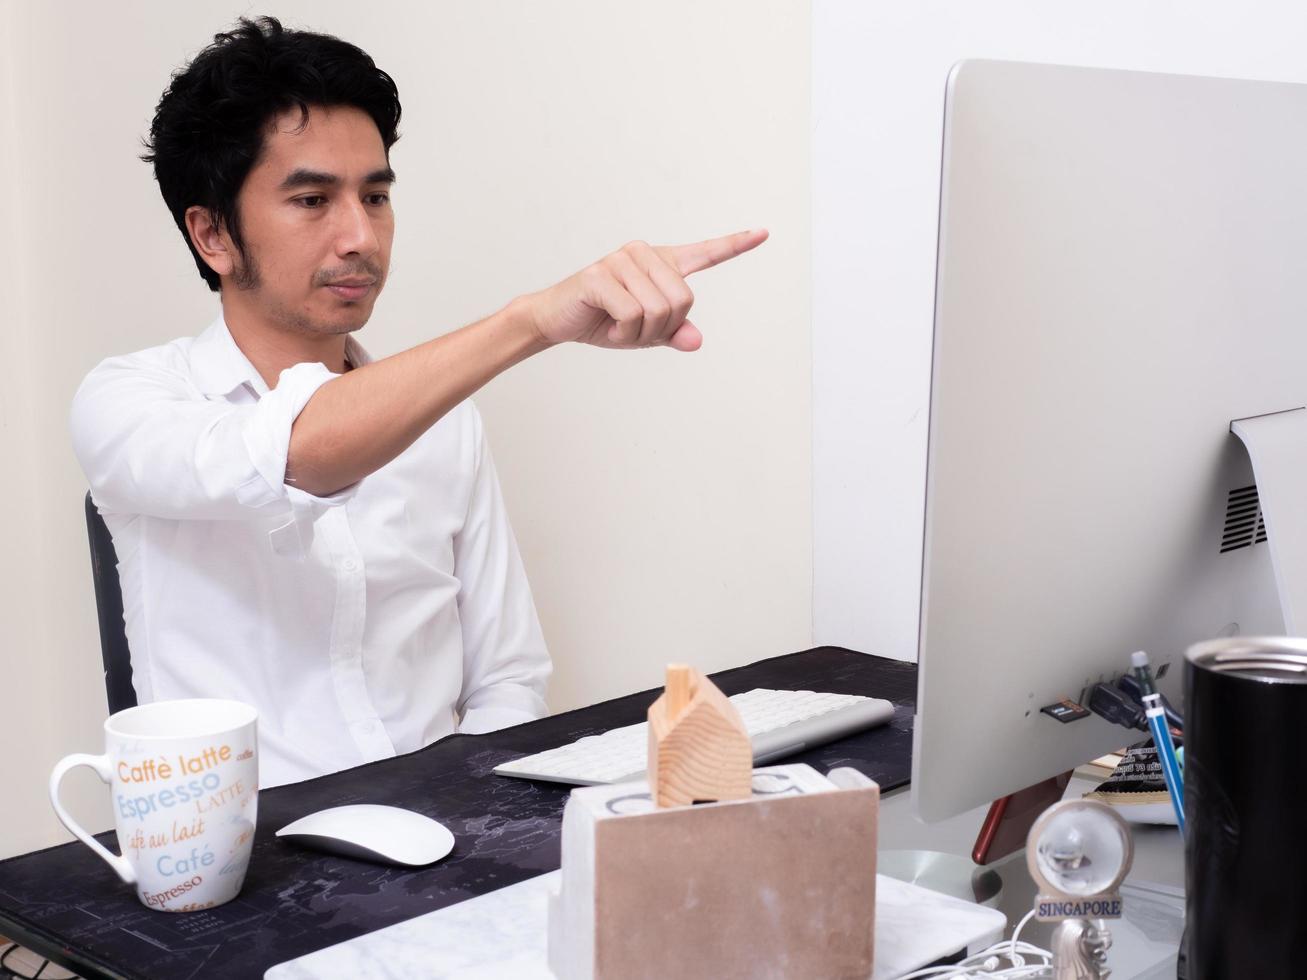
(64, 902)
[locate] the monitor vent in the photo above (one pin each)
(1244, 524)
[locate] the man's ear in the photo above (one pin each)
(210, 240)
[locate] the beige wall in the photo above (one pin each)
(662, 501)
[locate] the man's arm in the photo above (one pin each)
(360, 421)
(636, 297)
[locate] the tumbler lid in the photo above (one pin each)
(1278, 659)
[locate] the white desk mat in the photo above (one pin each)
(501, 936)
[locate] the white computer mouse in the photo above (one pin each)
(373, 832)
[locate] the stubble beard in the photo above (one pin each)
(247, 278)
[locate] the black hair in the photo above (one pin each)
(209, 125)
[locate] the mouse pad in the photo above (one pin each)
(64, 900)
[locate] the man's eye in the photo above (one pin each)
(312, 201)
(379, 198)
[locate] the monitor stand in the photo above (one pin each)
(1003, 832)
(1010, 818)
(948, 874)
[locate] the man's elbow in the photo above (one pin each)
(315, 486)
(309, 467)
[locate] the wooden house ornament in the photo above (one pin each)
(699, 749)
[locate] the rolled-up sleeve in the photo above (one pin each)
(150, 443)
(506, 665)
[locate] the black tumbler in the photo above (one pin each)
(1245, 803)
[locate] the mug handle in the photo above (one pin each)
(103, 769)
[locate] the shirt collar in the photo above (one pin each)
(218, 367)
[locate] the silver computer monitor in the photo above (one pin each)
(1122, 271)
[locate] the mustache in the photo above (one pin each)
(367, 270)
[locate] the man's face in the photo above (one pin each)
(317, 223)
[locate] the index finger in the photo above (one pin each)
(704, 255)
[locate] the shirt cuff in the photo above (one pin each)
(303, 502)
(502, 706)
(267, 437)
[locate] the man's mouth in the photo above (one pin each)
(351, 289)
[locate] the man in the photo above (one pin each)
(298, 526)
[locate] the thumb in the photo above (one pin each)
(687, 338)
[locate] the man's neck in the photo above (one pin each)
(271, 350)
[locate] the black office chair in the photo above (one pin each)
(109, 605)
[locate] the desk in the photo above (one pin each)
(1144, 943)
(64, 903)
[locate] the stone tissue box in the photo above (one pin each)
(779, 885)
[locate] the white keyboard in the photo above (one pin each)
(779, 723)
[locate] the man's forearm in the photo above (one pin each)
(359, 422)
(636, 297)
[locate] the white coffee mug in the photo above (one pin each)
(185, 781)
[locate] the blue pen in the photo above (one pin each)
(1161, 734)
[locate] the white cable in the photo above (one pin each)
(968, 969)
(1016, 934)
(984, 965)
(960, 971)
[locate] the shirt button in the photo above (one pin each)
(366, 727)
(350, 564)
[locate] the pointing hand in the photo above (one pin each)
(635, 297)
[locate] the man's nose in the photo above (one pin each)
(355, 234)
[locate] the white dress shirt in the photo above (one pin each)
(360, 625)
